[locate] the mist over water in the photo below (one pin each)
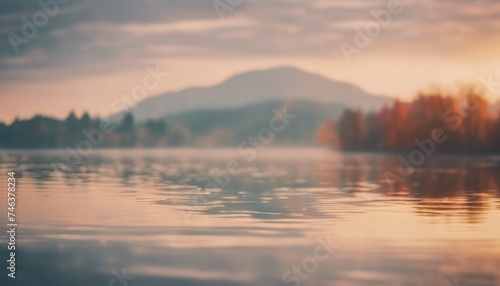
(146, 212)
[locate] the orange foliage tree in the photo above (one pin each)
(464, 116)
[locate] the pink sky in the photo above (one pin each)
(91, 52)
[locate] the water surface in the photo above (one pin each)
(149, 213)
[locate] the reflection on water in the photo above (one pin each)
(128, 209)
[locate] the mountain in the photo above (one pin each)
(254, 87)
(230, 127)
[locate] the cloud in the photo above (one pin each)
(92, 37)
(113, 31)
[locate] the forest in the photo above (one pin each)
(45, 132)
(464, 118)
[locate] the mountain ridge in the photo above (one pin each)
(259, 86)
(229, 127)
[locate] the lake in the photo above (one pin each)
(286, 217)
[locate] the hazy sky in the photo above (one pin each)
(91, 51)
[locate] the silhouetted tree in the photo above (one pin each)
(353, 130)
(126, 130)
(495, 134)
(85, 121)
(71, 129)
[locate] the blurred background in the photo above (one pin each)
(198, 142)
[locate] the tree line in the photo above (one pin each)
(463, 119)
(46, 132)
